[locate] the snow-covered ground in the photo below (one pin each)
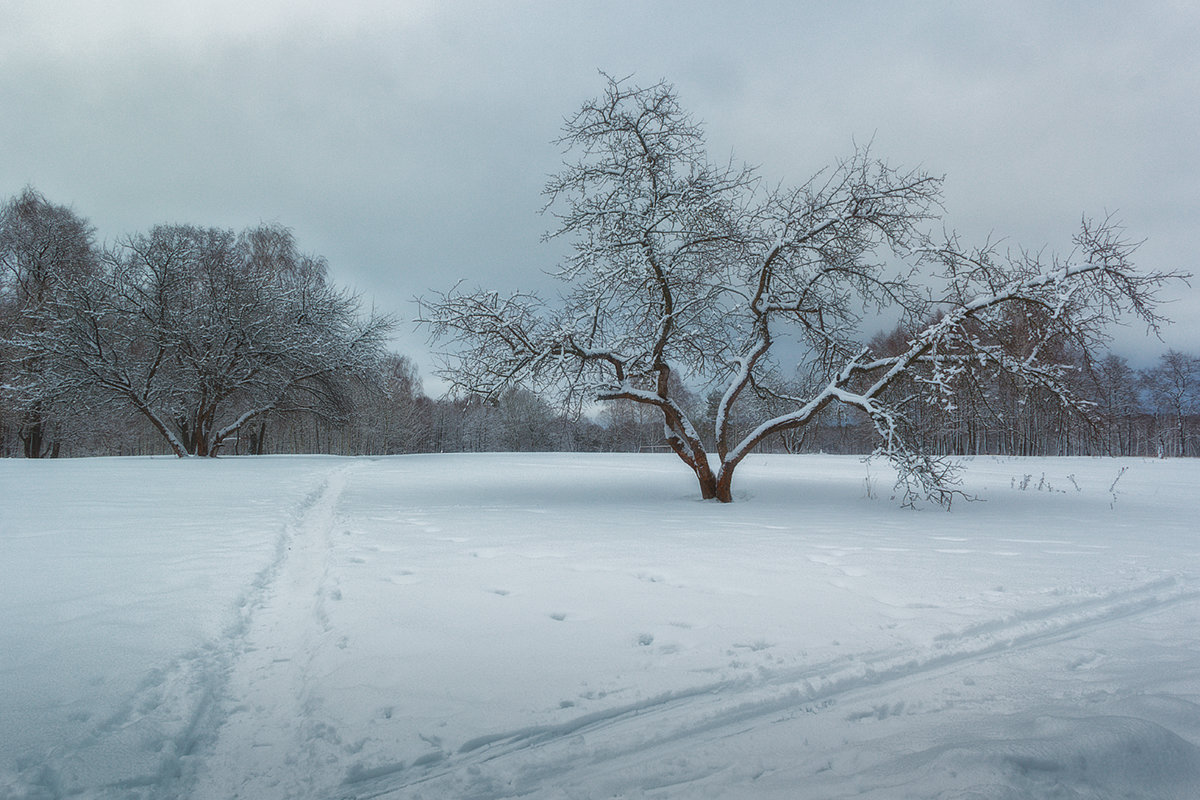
(581, 626)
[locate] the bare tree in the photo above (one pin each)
(1113, 387)
(1173, 387)
(683, 265)
(201, 330)
(46, 251)
(394, 415)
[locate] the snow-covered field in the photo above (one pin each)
(465, 626)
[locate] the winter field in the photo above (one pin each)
(581, 626)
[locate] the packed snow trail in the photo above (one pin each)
(141, 558)
(271, 742)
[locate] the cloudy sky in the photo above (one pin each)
(408, 140)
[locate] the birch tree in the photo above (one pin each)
(682, 266)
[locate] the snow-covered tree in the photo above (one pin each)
(683, 265)
(201, 330)
(46, 250)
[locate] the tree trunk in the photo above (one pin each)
(33, 438)
(258, 440)
(724, 485)
(708, 484)
(176, 445)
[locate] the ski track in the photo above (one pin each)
(527, 760)
(161, 736)
(270, 742)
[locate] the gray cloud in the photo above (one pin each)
(409, 142)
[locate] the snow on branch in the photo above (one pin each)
(688, 272)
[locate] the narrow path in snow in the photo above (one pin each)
(271, 743)
(150, 745)
(516, 762)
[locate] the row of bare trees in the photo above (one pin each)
(195, 332)
(1119, 410)
(198, 341)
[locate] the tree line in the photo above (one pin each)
(199, 341)
(193, 333)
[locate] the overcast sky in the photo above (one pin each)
(408, 142)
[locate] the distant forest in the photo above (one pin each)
(199, 341)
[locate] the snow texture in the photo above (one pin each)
(580, 626)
